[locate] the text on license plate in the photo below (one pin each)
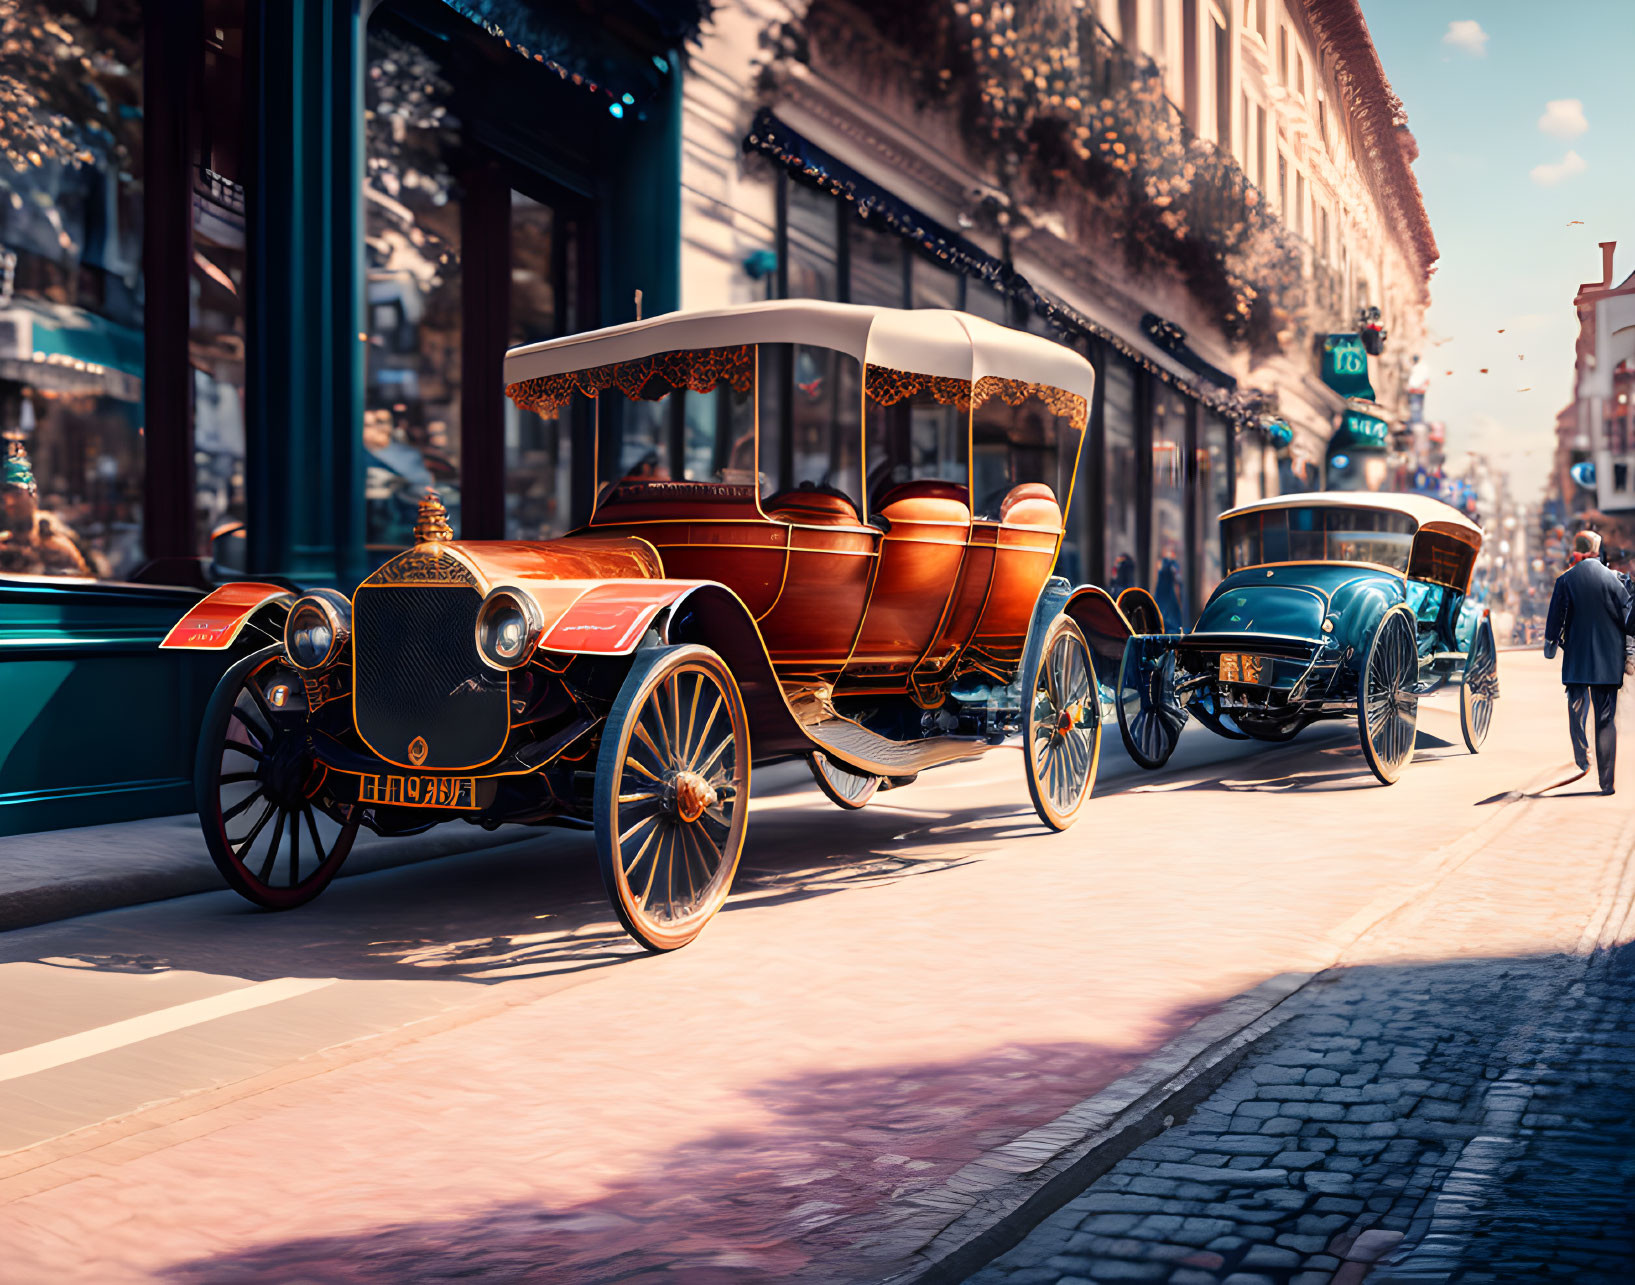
(419, 791)
(1238, 668)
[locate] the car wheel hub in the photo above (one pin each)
(689, 796)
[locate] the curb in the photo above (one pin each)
(991, 1204)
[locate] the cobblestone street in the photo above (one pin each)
(906, 1016)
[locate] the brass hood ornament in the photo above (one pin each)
(432, 523)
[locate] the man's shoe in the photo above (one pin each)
(1608, 790)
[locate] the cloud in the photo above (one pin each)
(1549, 175)
(1563, 118)
(1466, 34)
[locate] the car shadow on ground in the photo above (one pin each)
(816, 1181)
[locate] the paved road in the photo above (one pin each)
(462, 1067)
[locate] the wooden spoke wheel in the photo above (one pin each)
(1203, 709)
(844, 787)
(270, 823)
(1387, 708)
(672, 794)
(1480, 688)
(1150, 716)
(1061, 726)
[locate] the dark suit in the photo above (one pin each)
(1589, 615)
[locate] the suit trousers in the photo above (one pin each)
(1605, 699)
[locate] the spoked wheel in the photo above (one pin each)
(1481, 688)
(1061, 726)
(672, 794)
(264, 803)
(1150, 717)
(1387, 709)
(1203, 709)
(844, 787)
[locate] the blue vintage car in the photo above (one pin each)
(1335, 605)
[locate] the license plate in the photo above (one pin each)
(1238, 668)
(457, 792)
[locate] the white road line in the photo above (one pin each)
(133, 1030)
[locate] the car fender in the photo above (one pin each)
(713, 615)
(1357, 608)
(1102, 621)
(216, 620)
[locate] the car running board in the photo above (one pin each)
(865, 751)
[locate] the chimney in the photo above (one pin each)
(1607, 247)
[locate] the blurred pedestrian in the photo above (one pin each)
(1589, 618)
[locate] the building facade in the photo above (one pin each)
(258, 284)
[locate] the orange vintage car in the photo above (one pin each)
(819, 531)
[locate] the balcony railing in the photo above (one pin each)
(1056, 105)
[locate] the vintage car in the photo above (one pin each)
(818, 531)
(1335, 605)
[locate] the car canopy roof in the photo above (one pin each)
(926, 341)
(1423, 509)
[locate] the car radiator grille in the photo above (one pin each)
(417, 676)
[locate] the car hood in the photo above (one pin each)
(486, 563)
(1264, 609)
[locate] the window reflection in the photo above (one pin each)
(411, 422)
(71, 343)
(539, 450)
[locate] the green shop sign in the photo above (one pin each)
(1345, 366)
(1362, 431)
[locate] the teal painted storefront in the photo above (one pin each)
(97, 724)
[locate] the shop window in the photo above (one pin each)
(914, 436)
(876, 262)
(812, 232)
(71, 340)
(1122, 475)
(538, 449)
(933, 286)
(216, 299)
(811, 434)
(1169, 503)
(982, 300)
(411, 419)
(1022, 435)
(1215, 496)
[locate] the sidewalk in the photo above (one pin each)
(59, 874)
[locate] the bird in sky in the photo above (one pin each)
(1484, 370)
(1575, 223)
(1501, 330)
(1525, 390)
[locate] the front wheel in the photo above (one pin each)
(672, 794)
(254, 774)
(1480, 688)
(1387, 709)
(1061, 726)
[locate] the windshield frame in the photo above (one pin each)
(1394, 524)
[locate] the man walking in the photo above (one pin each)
(1589, 612)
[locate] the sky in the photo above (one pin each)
(1523, 112)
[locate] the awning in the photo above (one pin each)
(580, 44)
(68, 350)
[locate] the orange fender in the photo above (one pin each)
(215, 621)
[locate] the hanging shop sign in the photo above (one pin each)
(1361, 432)
(1345, 366)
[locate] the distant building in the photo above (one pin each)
(1597, 429)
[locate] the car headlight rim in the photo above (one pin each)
(317, 630)
(509, 625)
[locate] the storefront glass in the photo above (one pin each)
(876, 261)
(217, 305)
(1215, 487)
(813, 228)
(932, 285)
(411, 419)
(71, 341)
(1123, 483)
(1169, 500)
(538, 451)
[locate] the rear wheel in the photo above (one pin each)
(1203, 709)
(1061, 726)
(1387, 709)
(269, 820)
(842, 786)
(1480, 689)
(1150, 717)
(672, 794)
